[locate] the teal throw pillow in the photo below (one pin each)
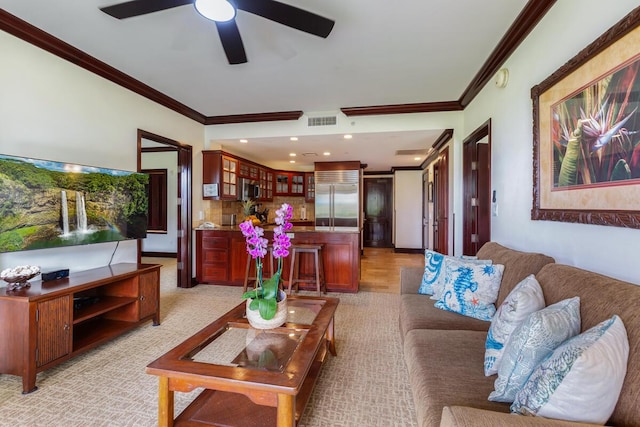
(531, 341)
(523, 300)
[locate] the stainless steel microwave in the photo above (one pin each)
(248, 189)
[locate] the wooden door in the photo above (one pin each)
(441, 203)
(184, 218)
(378, 207)
(54, 329)
(477, 189)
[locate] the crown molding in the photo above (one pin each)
(255, 117)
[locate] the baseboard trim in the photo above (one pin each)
(160, 254)
(408, 250)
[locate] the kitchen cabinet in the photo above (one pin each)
(289, 183)
(212, 257)
(340, 254)
(266, 185)
(220, 170)
(50, 322)
(309, 187)
(249, 170)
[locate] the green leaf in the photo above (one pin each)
(253, 305)
(621, 171)
(250, 294)
(270, 287)
(267, 308)
(569, 169)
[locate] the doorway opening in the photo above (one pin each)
(378, 213)
(182, 211)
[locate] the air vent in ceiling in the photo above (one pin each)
(421, 152)
(309, 154)
(322, 121)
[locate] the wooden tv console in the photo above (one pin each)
(50, 322)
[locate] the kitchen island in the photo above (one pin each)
(221, 256)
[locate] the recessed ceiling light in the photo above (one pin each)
(292, 161)
(294, 138)
(292, 154)
(416, 158)
(348, 136)
(244, 141)
(326, 153)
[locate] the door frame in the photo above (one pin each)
(185, 195)
(476, 221)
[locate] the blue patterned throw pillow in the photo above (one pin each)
(470, 289)
(531, 341)
(433, 277)
(581, 380)
(523, 300)
(432, 266)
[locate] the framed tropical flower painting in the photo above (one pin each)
(586, 133)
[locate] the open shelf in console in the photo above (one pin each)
(93, 332)
(102, 304)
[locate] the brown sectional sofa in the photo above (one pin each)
(444, 351)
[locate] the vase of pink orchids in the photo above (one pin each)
(266, 303)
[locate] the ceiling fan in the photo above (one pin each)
(282, 13)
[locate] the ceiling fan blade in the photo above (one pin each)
(141, 7)
(288, 15)
(231, 42)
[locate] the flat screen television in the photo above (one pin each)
(46, 204)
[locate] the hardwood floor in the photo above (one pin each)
(380, 269)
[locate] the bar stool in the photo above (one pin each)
(248, 278)
(294, 271)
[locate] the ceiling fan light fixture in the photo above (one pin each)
(216, 10)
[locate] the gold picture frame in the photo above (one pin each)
(586, 133)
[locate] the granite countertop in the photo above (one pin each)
(296, 228)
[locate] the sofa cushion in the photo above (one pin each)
(517, 265)
(600, 298)
(535, 338)
(523, 300)
(470, 289)
(418, 312)
(582, 378)
(445, 368)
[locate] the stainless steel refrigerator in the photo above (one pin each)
(337, 203)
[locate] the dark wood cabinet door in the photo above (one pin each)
(54, 329)
(149, 293)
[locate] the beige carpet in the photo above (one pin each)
(366, 385)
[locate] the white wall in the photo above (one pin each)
(165, 242)
(51, 109)
(569, 27)
(407, 197)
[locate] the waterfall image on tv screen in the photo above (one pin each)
(45, 204)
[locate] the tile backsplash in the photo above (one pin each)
(214, 209)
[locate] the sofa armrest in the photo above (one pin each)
(461, 416)
(410, 279)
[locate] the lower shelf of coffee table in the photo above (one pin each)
(220, 408)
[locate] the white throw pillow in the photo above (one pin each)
(582, 379)
(525, 298)
(535, 338)
(471, 289)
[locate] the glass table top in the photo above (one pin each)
(238, 345)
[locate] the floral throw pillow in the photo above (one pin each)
(582, 379)
(525, 298)
(470, 289)
(531, 341)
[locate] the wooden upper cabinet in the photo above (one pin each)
(289, 183)
(266, 184)
(249, 170)
(310, 187)
(222, 171)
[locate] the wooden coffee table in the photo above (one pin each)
(251, 377)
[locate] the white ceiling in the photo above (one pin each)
(379, 53)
